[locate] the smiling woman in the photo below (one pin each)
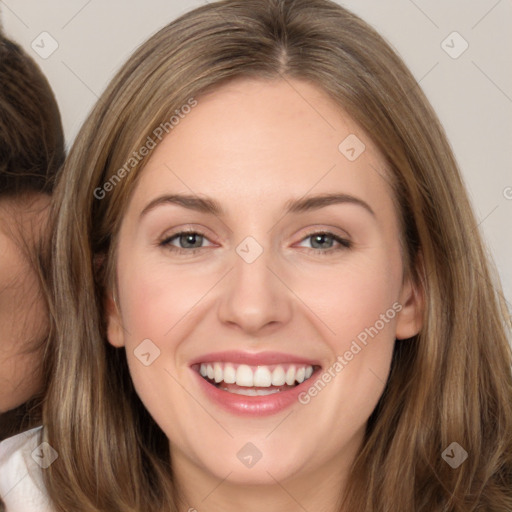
(253, 340)
(304, 231)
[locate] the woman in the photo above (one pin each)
(268, 285)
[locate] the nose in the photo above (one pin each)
(255, 297)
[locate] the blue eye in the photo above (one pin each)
(320, 238)
(190, 242)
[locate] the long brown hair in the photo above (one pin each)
(450, 383)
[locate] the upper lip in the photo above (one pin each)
(253, 358)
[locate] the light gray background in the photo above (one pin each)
(472, 94)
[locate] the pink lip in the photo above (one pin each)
(252, 358)
(252, 405)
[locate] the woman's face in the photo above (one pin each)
(23, 316)
(274, 286)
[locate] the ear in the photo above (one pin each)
(115, 332)
(410, 318)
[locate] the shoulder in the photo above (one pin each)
(23, 458)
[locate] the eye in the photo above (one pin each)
(326, 242)
(189, 242)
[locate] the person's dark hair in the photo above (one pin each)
(31, 153)
(31, 135)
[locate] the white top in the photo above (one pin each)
(23, 458)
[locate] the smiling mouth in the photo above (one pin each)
(258, 380)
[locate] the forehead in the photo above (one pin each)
(257, 140)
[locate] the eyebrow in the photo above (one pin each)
(210, 206)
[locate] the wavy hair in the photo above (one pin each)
(451, 382)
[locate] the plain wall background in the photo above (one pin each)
(472, 93)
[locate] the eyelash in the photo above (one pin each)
(344, 243)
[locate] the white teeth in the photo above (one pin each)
(261, 376)
(244, 376)
(217, 372)
(251, 391)
(263, 392)
(229, 374)
(290, 376)
(278, 376)
(241, 391)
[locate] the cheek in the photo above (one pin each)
(156, 298)
(23, 314)
(351, 298)
(358, 306)
(155, 302)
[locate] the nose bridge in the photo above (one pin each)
(254, 296)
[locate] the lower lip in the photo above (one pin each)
(252, 405)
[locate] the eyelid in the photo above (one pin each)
(344, 241)
(187, 228)
(324, 228)
(164, 239)
(335, 231)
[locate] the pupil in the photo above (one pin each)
(320, 238)
(190, 238)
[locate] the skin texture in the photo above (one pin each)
(23, 317)
(252, 146)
